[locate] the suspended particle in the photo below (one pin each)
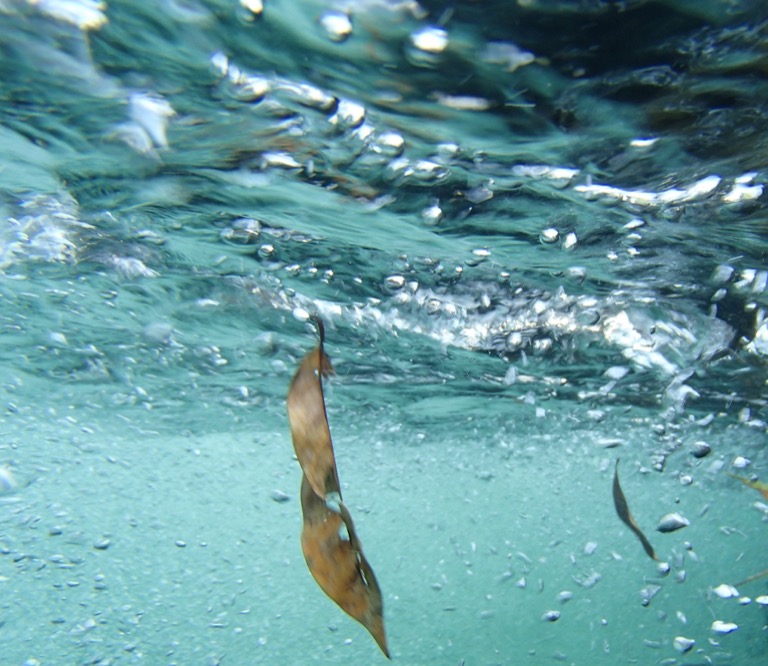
(671, 522)
(725, 591)
(683, 644)
(720, 627)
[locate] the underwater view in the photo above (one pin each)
(472, 295)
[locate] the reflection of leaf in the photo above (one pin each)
(338, 565)
(622, 508)
(309, 424)
(760, 487)
(336, 562)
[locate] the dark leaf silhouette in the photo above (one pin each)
(622, 508)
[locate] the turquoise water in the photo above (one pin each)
(536, 235)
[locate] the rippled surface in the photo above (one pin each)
(536, 233)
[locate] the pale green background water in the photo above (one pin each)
(181, 183)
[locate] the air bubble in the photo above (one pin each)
(337, 25)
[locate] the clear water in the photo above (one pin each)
(536, 233)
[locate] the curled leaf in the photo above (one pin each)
(622, 508)
(309, 423)
(338, 564)
(335, 561)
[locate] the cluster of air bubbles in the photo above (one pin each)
(354, 142)
(146, 130)
(46, 229)
(243, 231)
(750, 286)
(551, 235)
(726, 591)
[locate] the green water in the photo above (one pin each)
(536, 250)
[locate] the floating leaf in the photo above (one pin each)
(335, 561)
(622, 508)
(338, 564)
(760, 487)
(309, 423)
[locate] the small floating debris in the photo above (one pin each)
(672, 522)
(648, 593)
(279, 496)
(720, 627)
(589, 581)
(740, 462)
(565, 596)
(7, 482)
(590, 547)
(551, 616)
(663, 568)
(725, 591)
(701, 450)
(479, 194)
(102, 544)
(683, 644)
(762, 600)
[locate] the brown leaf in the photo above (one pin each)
(338, 565)
(760, 487)
(751, 578)
(622, 508)
(309, 423)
